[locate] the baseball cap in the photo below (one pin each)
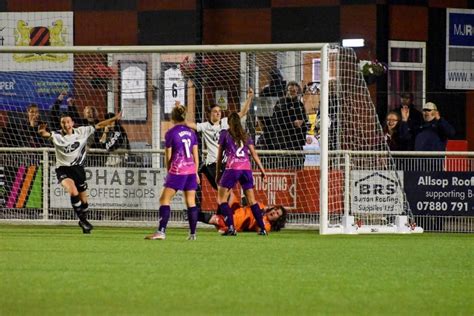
(430, 106)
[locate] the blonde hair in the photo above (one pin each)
(178, 114)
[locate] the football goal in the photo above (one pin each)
(306, 107)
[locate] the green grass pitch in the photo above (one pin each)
(59, 271)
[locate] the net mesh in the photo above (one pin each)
(125, 174)
(358, 152)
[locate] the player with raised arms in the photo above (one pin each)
(70, 147)
(182, 161)
(210, 131)
(238, 147)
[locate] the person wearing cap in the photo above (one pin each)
(433, 134)
(415, 118)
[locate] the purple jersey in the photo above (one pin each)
(237, 156)
(181, 140)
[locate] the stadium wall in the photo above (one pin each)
(146, 22)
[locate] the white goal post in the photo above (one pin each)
(326, 156)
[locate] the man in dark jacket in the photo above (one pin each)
(415, 118)
(289, 120)
(433, 134)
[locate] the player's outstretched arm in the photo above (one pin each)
(189, 121)
(247, 103)
(196, 162)
(219, 163)
(107, 122)
(42, 131)
(256, 158)
(168, 152)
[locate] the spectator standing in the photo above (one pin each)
(55, 112)
(276, 86)
(24, 133)
(433, 134)
(114, 137)
(289, 120)
(415, 118)
(392, 132)
(288, 127)
(91, 117)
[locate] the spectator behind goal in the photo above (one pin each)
(23, 131)
(114, 137)
(433, 134)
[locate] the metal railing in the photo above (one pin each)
(11, 159)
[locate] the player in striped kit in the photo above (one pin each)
(238, 148)
(70, 148)
(182, 161)
(210, 131)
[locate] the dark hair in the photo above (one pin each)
(281, 221)
(394, 113)
(94, 110)
(407, 95)
(31, 106)
(66, 114)
(293, 83)
(209, 109)
(236, 130)
(178, 114)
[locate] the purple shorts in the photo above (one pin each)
(231, 176)
(182, 182)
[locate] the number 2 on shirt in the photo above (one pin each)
(240, 151)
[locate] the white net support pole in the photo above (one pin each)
(324, 113)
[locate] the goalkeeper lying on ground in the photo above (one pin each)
(274, 218)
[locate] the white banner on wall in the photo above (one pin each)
(460, 49)
(174, 88)
(36, 29)
(118, 189)
(375, 192)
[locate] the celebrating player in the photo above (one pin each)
(181, 156)
(237, 144)
(70, 148)
(210, 132)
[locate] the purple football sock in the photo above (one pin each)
(164, 217)
(257, 213)
(227, 212)
(192, 219)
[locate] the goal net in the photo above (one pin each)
(310, 116)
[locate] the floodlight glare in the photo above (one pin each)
(353, 42)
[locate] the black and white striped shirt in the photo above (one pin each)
(71, 149)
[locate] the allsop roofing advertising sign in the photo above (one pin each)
(440, 193)
(460, 49)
